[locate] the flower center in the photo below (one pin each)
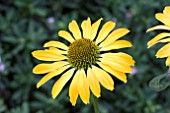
(83, 53)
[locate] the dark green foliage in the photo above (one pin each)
(24, 27)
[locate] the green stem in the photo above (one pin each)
(95, 104)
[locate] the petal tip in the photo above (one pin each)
(157, 56)
(101, 18)
(59, 32)
(125, 81)
(148, 30)
(97, 95)
(33, 53)
(73, 103)
(111, 89)
(38, 86)
(35, 70)
(53, 96)
(128, 31)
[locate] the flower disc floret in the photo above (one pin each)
(83, 53)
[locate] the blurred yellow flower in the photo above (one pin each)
(162, 37)
(87, 58)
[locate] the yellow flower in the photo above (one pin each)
(162, 37)
(86, 60)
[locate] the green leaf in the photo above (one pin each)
(160, 82)
(20, 3)
(2, 106)
(25, 108)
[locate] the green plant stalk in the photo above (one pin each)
(95, 104)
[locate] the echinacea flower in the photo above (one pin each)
(163, 37)
(86, 60)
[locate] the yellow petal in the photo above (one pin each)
(118, 65)
(93, 82)
(45, 68)
(121, 76)
(94, 28)
(48, 55)
(103, 77)
(106, 29)
(116, 34)
(74, 28)
(58, 86)
(119, 57)
(165, 40)
(66, 35)
(157, 38)
(56, 44)
(164, 51)
(166, 10)
(50, 75)
(116, 45)
(168, 61)
(73, 92)
(58, 51)
(86, 27)
(163, 18)
(158, 27)
(83, 86)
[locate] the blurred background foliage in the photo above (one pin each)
(25, 25)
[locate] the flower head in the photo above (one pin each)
(51, 20)
(162, 37)
(87, 60)
(134, 70)
(128, 15)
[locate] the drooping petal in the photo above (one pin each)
(168, 61)
(45, 68)
(86, 27)
(164, 51)
(94, 28)
(48, 55)
(73, 92)
(83, 86)
(103, 77)
(116, 45)
(50, 75)
(156, 39)
(120, 75)
(158, 27)
(119, 57)
(66, 35)
(56, 44)
(163, 18)
(116, 34)
(74, 28)
(106, 29)
(58, 86)
(93, 82)
(118, 65)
